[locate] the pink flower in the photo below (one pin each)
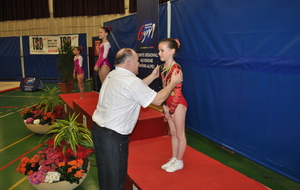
(29, 120)
(37, 177)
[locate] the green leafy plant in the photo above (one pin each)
(70, 133)
(46, 111)
(65, 62)
(49, 99)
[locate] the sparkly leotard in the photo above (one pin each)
(176, 96)
(78, 65)
(103, 52)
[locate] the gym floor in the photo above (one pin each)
(17, 141)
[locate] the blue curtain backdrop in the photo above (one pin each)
(44, 66)
(123, 34)
(241, 65)
(10, 61)
(124, 31)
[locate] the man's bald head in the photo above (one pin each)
(123, 55)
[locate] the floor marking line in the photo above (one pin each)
(16, 142)
(18, 96)
(14, 112)
(18, 183)
(6, 165)
(7, 114)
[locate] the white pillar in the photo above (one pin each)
(168, 19)
(22, 57)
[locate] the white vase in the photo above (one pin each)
(61, 185)
(40, 129)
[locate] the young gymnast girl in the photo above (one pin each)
(175, 106)
(102, 66)
(78, 71)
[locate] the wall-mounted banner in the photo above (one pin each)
(147, 36)
(96, 46)
(49, 44)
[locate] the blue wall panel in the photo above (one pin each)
(10, 61)
(241, 64)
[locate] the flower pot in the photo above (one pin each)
(72, 81)
(61, 185)
(65, 87)
(40, 129)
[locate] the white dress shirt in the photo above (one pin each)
(121, 96)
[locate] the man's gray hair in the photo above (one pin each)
(123, 55)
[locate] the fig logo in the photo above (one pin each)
(29, 80)
(146, 31)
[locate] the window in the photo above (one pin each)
(23, 9)
(132, 5)
(68, 8)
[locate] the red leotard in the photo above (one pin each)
(176, 96)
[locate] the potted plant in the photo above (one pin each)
(63, 159)
(65, 65)
(40, 116)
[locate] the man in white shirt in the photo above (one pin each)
(121, 96)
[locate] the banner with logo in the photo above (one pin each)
(147, 36)
(49, 44)
(30, 84)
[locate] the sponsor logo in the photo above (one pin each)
(146, 32)
(29, 80)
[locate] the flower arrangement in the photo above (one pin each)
(46, 111)
(36, 114)
(63, 157)
(51, 165)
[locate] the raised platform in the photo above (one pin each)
(69, 99)
(150, 122)
(199, 172)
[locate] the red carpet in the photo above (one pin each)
(199, 172)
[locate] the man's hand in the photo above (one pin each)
(164, 93)
(155, 72)
(168, 116)
(177, 77)
(152, 76)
